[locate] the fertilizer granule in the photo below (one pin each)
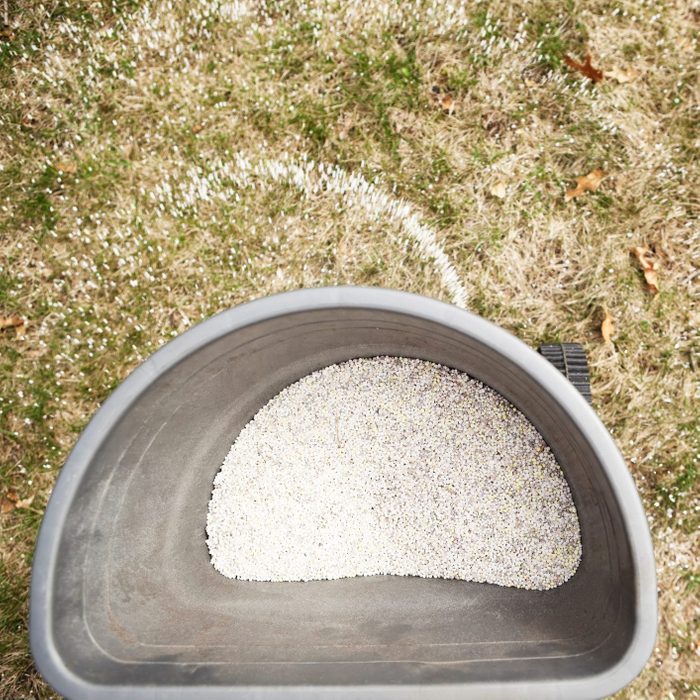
(391, 465)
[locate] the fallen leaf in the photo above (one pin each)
(24, 503)
(447, 103)
(649, 262)
(13, 321)
(197, 128)
(8, 502)
(652, 280)
(586, 183)
(646, 258)
(12, 501)
(66, 167)
(622, 75)
(443, 100)
(584, 68)
(499, 190)
(607, 327)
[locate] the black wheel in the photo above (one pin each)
(570, 359)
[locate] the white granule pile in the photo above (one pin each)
(391, 465)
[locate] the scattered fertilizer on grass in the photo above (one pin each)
(392, 465)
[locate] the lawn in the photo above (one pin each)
(162, 161)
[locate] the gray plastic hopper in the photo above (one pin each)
(124, 600)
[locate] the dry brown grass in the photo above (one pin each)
(105, 275)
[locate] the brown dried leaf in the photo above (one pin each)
(443, 100)
(24, 503)
(13, 321)
(622, 75)
(607, 327)
(499, 190)
(649, 262)
(586, 183)
(584, 68)
(12, 501)
(66, 167)
(652, 280)
(447, 103)
(646, 257)
(8, 503)
(197, 128)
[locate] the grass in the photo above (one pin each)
(104, 104)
